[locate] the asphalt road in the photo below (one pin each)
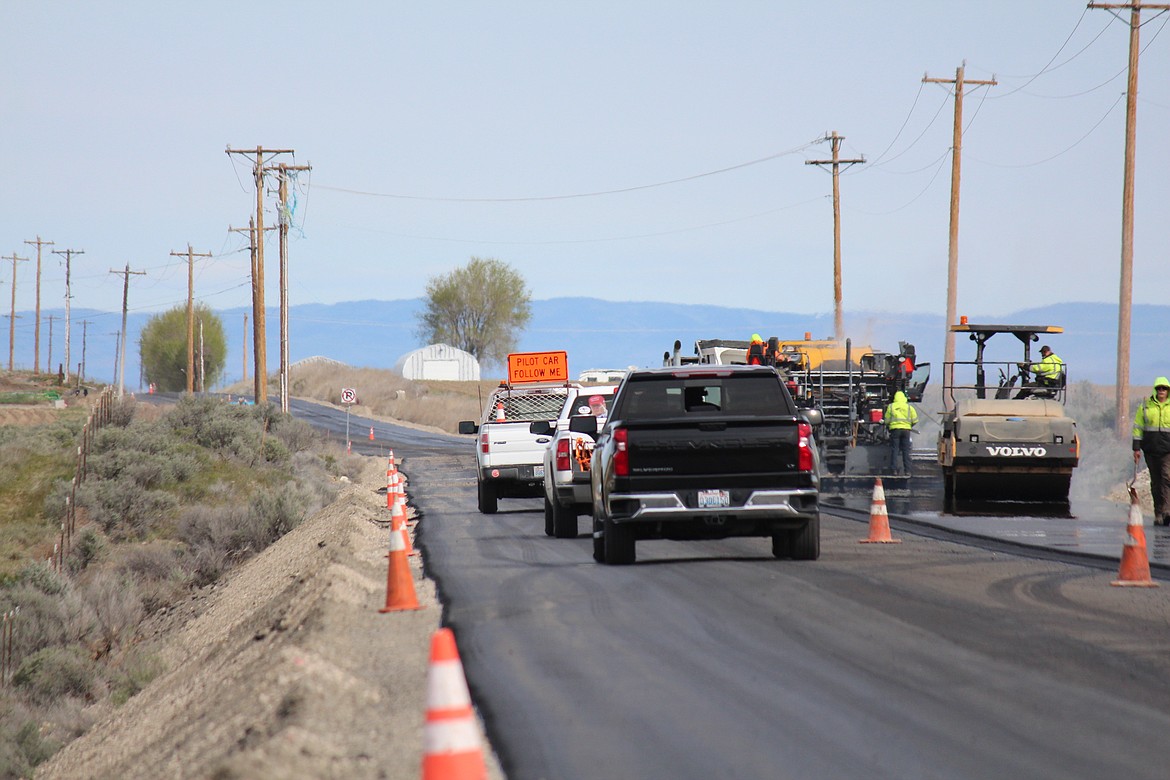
(926, 659)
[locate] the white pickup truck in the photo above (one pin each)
(509, 456)
(566, 458)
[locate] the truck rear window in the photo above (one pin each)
(656, 398)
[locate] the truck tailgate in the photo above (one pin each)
(743, 451)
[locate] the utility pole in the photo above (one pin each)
(245, 349)
(191, 255)
(257, 305)
(49, 359)
(1125, 298)
(285, 217)
(122, 339)
(84, 334)
(117, 350)
(259, 348)
(835, 143)
(37, 327)
(12, 316)
(953, 242)
(68, 255)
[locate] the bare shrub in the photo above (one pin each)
(157, 570)
(87, 549)
(46, 619)
(53, 672)
(22, 745)
(213, 538)
(132, 673)
(124, 509)
(122, 411)
(112, 598)
(298, 436)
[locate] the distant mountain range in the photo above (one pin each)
(609, 334)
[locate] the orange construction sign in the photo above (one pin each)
(538, 367)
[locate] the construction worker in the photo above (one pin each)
(1048, 372)
(1151, 437)
(755, 353)
(900, 417)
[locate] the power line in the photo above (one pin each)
(617, 191)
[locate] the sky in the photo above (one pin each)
(629, 151)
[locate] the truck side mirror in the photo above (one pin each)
(584, 423)
(540, 427)
(814, 417)
(468, 426)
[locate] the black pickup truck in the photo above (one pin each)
(705, 452)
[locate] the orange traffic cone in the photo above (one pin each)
(391, 487)
(499, 411)
(400, 593)
(1135, 565)
(371, 433)
(398, 522)
(879, 521)
(451, 745)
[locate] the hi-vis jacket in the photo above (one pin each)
(1049, 368)
(899, 414)
(1151, 424)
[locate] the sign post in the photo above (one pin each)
(348, 398)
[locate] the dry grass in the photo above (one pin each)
(384, 393)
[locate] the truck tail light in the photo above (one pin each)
(484, 443)
(563, 461)
(621, 455)
(804, 453)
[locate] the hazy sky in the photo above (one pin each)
(622, 150)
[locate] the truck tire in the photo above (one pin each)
(619, 544)
(598, 542)
(564, 521)
(548, 517)
(782, 545)
(487, 498)
(806, 542)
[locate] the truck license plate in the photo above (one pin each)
(538, 471)
(713, 498)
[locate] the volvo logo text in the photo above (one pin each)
(1017, 452)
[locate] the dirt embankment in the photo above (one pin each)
(285, 669)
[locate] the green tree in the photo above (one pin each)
(162, 348)
(480, 308)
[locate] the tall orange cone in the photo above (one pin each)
(400, 593)
(391, 474)
(1135, 565)
(499, 411)
(879, 521)
(371, 433)
(451, 745)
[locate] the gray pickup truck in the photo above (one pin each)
(705, 452)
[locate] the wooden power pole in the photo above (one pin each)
(1125, 298)
(122, 338)
(68, 255)
(953, 241)
(285, 216)
(258, 348)
(37, 327)
(836, 161)
(12, 316)
(191, 255)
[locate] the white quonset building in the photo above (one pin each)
(439, 361)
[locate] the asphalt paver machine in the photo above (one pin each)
(1005, 434)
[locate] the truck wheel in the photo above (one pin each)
(781, 545)
(806, 543)
(598, 542)
(487, 498)
(564, 521)
(619, 544)
(548, 517)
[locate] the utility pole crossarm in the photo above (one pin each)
(1131, 6)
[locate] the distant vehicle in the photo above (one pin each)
(705, 452)
(850, 384)
(567, 457)
(509, 456)
(997, 447)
